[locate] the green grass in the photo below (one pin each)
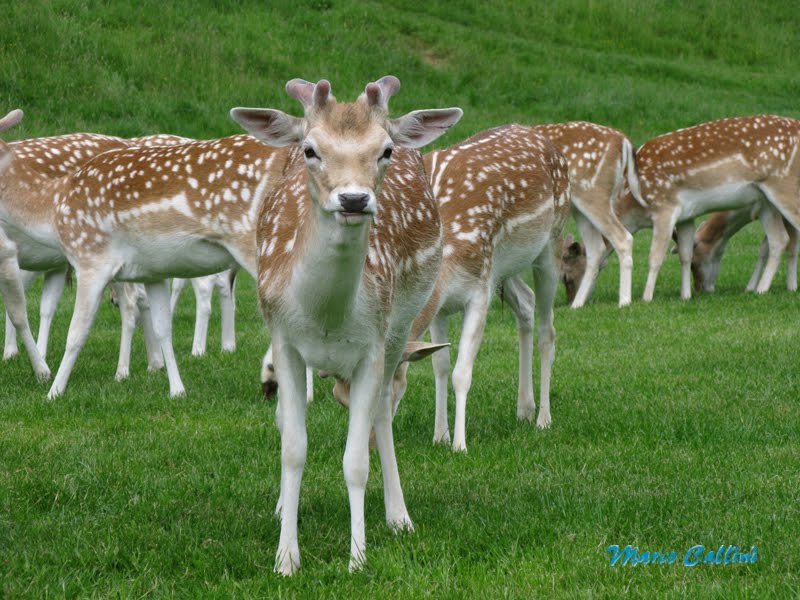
(675, 423)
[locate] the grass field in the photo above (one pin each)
(675, 423)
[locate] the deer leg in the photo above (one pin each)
(441, 373)
(203, 289)
(89, 294)
(791, 252)
(545, 281)
(522, 301)
(158, 296)
(663, 224)
(365, 391)
(471, 336)
(595, 249)
(758, 269)
(291, 421)
(155, 359)
(227, 304)
(127, 313)
(777, 241)
(685, 233)
(52, 290)
(11, 349)
(177, 287)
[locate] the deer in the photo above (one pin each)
(600, 158)
(718, 165)
(147, 214)
(503, 198)
(204, 287)
(712, 236)
(39, 166)
(349, 247)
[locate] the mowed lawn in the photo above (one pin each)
(674, 423)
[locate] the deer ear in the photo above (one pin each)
(421, 127)
(418, 350)
(273, 127)
(11, 119)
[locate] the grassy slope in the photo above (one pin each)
(675, 423)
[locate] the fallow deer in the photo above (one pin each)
(718, 165)
(204, 287)
(151, 213)
(349, 245)
(600, 158)
(713, 235)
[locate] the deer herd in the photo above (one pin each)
(359, 244)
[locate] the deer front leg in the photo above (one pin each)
(177, 287)
(203, 289)
(441, 373)
(155, 359)
(522, 301)
(791, 252)
(545, 281)
(53, 288)
(10, 350)
(365, 390)
(158, 297)
(758, 269)
(89, 294)
(595, 249)
(127, 313)
(291, 421)
(685, 233)
(471, 336)
(777, 240)
(662, 232)
(227, 305)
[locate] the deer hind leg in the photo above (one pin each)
(158, 296)
(291, 421)
(52, 290)
(663, 223)
(522, 301)
(177, 287)
(441, 373)
(545, 281)
(685, 232)
(155, 359)
(11, 349)
(127, 311)
(777, 240)
(471, 337)
(595, 249)
(791, 252)
(14, 295)
(226, 285)
(89, 294)
(203, 290)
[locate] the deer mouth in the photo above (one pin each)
(352, 218)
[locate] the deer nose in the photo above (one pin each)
(353, 203)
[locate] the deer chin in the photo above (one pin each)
(352, 218)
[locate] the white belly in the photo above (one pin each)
(696, 202)
(36, 250)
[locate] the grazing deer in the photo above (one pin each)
(151, 213)
(713, 235)
(503, 199)
(600, 158)
(349, 245)
(718, 165)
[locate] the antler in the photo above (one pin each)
(379, 92)
(309, 94)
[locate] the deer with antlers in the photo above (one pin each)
(349, 246)
(600, 158)
(712, 237)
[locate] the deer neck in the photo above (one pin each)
(328, 277)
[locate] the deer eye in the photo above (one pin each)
(387, 154)
(310, 154)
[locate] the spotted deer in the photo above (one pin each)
(39, 167)
(349, 245)
(503, 199)
(147, 214)
(600, 158)
(713, 235)
(719, 165)
(34, 169)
